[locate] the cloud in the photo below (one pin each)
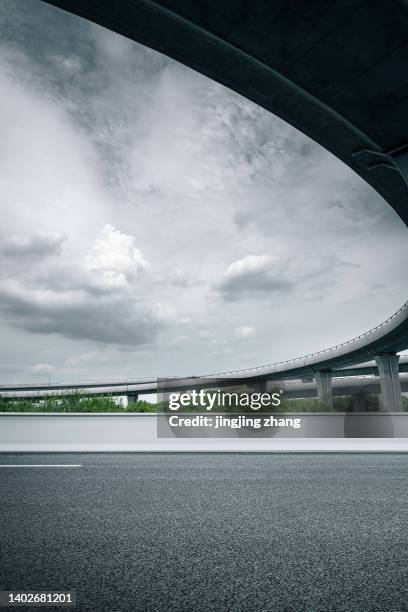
(220, 346)
(164, 312)
(114, 261)
(178, 341)
(252, 276)
(34, 246)
(77, 315)
(181, 278)
(245, 333)
(251, 264)
(42, 368)
(260, 277)
(95, 300)
(74, 361)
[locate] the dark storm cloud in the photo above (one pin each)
(78, 317)
(95, 299)
(254, 276)
(83, 68)
(260, 277)
(35, 246)
(254, 286)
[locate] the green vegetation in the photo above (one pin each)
(345, 404)
(302, 405)
(74, 403)
(80, 402)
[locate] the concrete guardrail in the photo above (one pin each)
(52, 432)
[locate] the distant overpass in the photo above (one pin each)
(335, 71)
(149, 385)
(352, 381)
(358, 388)
(320, 366)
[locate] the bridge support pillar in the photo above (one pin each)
(359, 402)
(132, 399)
(390, 398)
(260, 387)
(324, 387)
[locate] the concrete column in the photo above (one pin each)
(324, 387)
(132, 399)
(359, 402)
(260, 387)
(388, 370)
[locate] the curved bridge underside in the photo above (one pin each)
(335, 71)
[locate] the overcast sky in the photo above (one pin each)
(155, 223)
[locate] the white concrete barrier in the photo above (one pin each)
(51, 432)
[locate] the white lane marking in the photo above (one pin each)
(36, 465)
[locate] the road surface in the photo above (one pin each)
(216, 532)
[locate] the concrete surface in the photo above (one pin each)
(138, 432)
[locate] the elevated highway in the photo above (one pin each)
(356, 382)
(149, 385)
(335, 71)
(358, 387)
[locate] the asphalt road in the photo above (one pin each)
(198, 532)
